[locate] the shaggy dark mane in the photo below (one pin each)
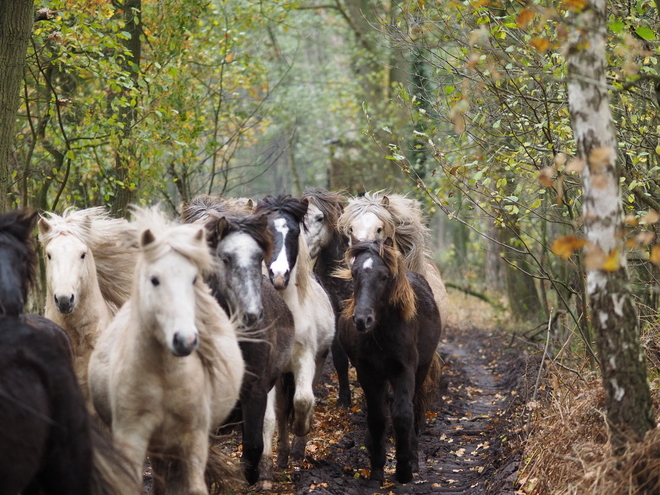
(330, 203)
(284, 203)
(16, 231)
(256, 226)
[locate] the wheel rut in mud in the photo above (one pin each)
(464, 448)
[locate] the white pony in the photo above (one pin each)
(379, 216)
(88, 275)
(168, 369)
(312, 313)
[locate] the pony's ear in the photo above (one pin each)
(147, 237)
(221, 228)
(389, 242)
(385, 201)
(305, 202)
(44, 226)
(199, 235)
(249, 204)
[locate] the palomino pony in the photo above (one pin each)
(88, 276)
(239, 243)
(327, 248)
(390, 330)
(168, 369)
(48, 442)
(378, 216)
(290, 271)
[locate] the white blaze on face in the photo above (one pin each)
(281, 264)
(368, 264)
(244, 250)
(368, 227)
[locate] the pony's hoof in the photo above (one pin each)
(415, 466)
(404, 473)
(344, 400)
(377, 475)
(282, 461)
(264, 486)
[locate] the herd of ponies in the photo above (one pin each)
(159, 332)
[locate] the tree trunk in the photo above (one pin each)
(15, 26)
(125, 156)
(613, 314)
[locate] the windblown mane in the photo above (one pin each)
(330, 203)
(169, 236)
(256, 226)
(16, 229)
(200, 207)
(402, 294)
(286, 204)
(403, 221)
(114, 261)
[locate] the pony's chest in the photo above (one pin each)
(385, 351)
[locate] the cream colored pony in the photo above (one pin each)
(379, 216)
(88, 276)
(168, 369)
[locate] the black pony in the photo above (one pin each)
(239, 243)
(390, 330)
(328, 249)
(48, 441)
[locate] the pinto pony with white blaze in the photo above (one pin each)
(88, 276)
(390, 330)
(378, 216)
(290, 270)
(239, 242)
(168, 369)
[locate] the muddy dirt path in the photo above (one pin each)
(466, 446)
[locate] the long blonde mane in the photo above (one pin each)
(403, 221)
(114, 262)
(209, 317)
(201, 207)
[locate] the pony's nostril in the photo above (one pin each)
(71, 300)
(368, 322)
(57, 301)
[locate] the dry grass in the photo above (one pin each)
(568, 450)
(468, 311)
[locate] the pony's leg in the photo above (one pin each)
(266, 462)
(340, 360)
(133, 440)
(374, 391)
(283, 406)
(194, 450)
(253, 408)
(304, 371)
(403, 422)
(298, 448)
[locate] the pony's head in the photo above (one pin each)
(286, 219)
(379, 280)
(70, 264)
(17, 259)
(321, 218)
(172, 262)
(368, 218)
(240, 245)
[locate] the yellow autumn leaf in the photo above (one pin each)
(575, 165)
(524, 18)
(229, 58)
(546, 175)
(575, 5)
(655, 255)
(565, 245)
(612, 261)
(600, 157)
(541, 44)
(650, 217)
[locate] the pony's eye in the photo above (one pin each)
(195, 280)
(82, 256)
(48, 255)
(380, 229)
(350, 230)
(155, 282)
(319, 219)
(225, 260)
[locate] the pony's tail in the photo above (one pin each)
(112, 473)
(429, 389)
(223, 474)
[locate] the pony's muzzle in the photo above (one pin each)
(280, 282)
(252, 318)
(363, 323)
(183, 345)
(64, 303)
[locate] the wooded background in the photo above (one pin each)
(462, 104)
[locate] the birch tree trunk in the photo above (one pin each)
(15, 26)
(613, 313)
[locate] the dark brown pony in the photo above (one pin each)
(328, 247)
(48, 442)
(390, 330)
(239, 243)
